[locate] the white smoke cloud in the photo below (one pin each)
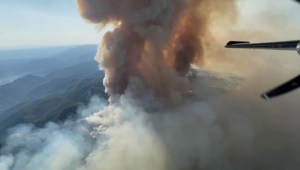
(51, 147)
(6, 162)
(120, 136)
(230, 130)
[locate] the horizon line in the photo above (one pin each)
(32, 47)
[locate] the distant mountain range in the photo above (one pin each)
(47, 88)
(16, 63)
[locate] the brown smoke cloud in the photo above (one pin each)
(156, 42)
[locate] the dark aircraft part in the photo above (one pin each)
(283, 89)
(298, 47)
(284, 45)
(237, 42)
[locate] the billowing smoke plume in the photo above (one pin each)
(156, 41)
(162, 114)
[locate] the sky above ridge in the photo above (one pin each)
(32, 23)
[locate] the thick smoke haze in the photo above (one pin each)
(178, 100)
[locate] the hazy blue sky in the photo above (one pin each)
(32, 23)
